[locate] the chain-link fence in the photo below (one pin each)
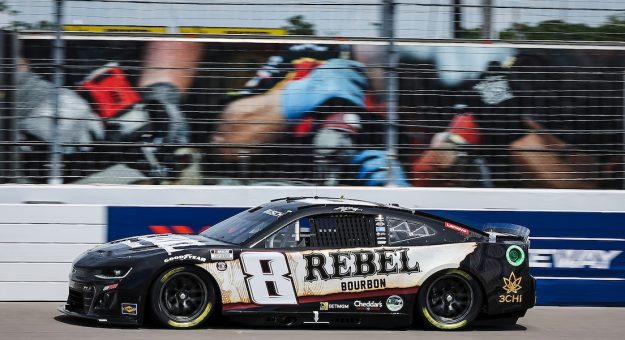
(415, 93)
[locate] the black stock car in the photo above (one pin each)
(317, 261)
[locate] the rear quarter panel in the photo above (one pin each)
(507, 287)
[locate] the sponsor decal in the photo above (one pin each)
(358, 264)
(456, 228)
(185, 257)
(231, 30)
(572, 258)
(515, 255)
(511, 285)
(129, 308)
(170, 243)
(316, 318)
(222, 254)
(368, 305)
(394, 303)
(379, 222)
(494, 90)
(363, 284)
(380, 230)
(347, 209)
(330, 306)
(274, 213)
(114, 28)
(222, 266)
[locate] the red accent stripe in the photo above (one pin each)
(459, 229)
(182, 229)
(333, 297)
(159, 229)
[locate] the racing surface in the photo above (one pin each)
(41, 321)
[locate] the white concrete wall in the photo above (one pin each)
(38, 244)
(43, 228)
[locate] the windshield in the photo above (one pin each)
(242, 226)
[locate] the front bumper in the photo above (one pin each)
(63, 309)
(96, 300)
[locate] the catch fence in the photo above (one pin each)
(401, 93)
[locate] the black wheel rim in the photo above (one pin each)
(449, 299)
(183, 297)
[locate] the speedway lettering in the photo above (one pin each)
(358, 264)
(572, 258)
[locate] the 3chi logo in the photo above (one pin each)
(511, 285)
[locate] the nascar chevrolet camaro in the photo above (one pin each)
(311, 261)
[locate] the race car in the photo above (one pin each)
(311, 261)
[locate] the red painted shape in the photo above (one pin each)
(110, 91)
(304, 67)
(465, 126)
(160, 229)
(304, 127)
(182, 229)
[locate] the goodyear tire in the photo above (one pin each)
(449, 301)
(182, 297)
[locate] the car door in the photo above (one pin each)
(320, 258)
(343, 262)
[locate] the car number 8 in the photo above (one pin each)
(268, 280)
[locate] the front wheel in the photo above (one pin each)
(449, 301)
(182, 297)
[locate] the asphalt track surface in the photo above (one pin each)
(41, 321)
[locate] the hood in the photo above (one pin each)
(161, 243)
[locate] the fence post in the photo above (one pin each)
(57, 55)
(487, 20)
(388, 29)
(15, 167)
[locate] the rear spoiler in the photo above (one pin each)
(499, 232)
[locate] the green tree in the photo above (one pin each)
(21, 25)
(42, 25)
(298, 26)
(612, 30)
(5, 8)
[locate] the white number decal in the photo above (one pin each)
(267, 278)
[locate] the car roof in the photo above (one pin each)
(294, 203)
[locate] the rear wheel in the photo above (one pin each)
(450, 300)
(182, 297)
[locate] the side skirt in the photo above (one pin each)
(321, 319)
